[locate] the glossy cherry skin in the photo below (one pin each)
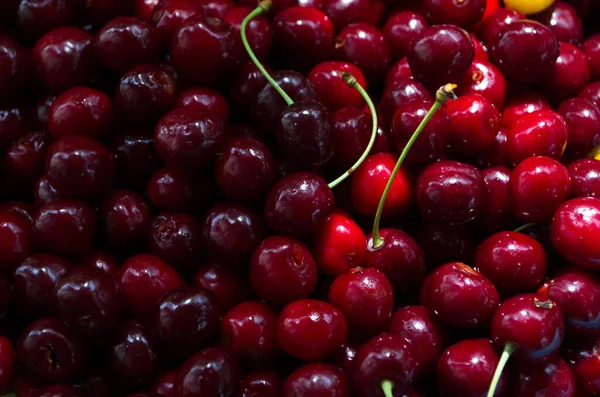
(124, 42)
(50, 351)
(583, 121)
(164, 385)
(167, 16)
(472, 302)
(568, 74)
(64, 58)
(573, 226)
(344, 13)
(525, 51)
(432, 141)
(484, 78)
(467, 367)
(24, 210)
(176, 238)
(532, 323)
(562, 19)
(259, 31)
(65, 226)
(144, 280)
(440, 55)
(591, 48)
(16, 64)
(144, 94)
(311, 330)
(125, 216)
(331, 89)
(317, 379)
(25, 157)
(263, 383)
(537, 174)
(463, 14)
(523, 104)
(524, 138)
(553, 378)
(451, 192)
(591, 92)
(136, 160)
(282, 270)
(582, 357)
(171, 189)
(207, 99)
(585, 178)
(399, 92)
(496, 215)
(424, 331)
(384, 357)
(400, 29)
(102, 261)
(298, 204)
(89, 300)
(249, 330)
(222, 49)
(366, 47)
(353, 126)
(369, 181)
(210, 372)
(7, 362)
(17, 241)
(230, 287)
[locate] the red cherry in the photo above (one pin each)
(496, 215)
(523, 104)
(400, 29)
(229, 286)
(353, 126)
(568, 74)
(317, 379)
(263, 383)
(583, 120)
(582, 357)
(591, 48)
(259, 31)
(17, 241)
(207, 99)
(591, 92)
(168, 15)
(483, 78)
(331, 89)
(212, 371)
(461, 13)
(563, 20)
(399, 71)
(554, 378)
(585, 178)
(399, 92)
(493, 25)
(126, 216)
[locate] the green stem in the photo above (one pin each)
(509, 349)
(262, 7)
(442, 95)
(523, 227)
(351, 81)
(387, 386)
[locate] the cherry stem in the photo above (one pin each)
(351, 81)
(263, 7)
(523, 227)
(509, 349)
(442, 95)
(387, 386)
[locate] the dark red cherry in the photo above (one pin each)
(311, 330)
(399, 92)
(582, 357)
(50, 351)
(64, 58)
(440, 55)
(365, 46)
(144, 94)
(332, 90)
(568, 74)
(221, 49)
(7, 362)
(216, 9)
(34, 281)
(583, 122)
(553, 378)
(12, 124)
(496, 215)
(461, 13)
(164, 385)
(207, 99)
(144, 280)
(400, 29)
(527, 103)
(16, 241)
(168, 15)
(483, 78)
(574, 226)
(89, 300)
(399, 71)
(176, 238)
(466, 369)
(125, 216)
(210, 372)
(512, 261)
(353, 127)
(171, 189)
(472, 301)
(20, 208)
(144, 8)
(343, 13)
(249, 330)
(303, 36)
(492, 26)
(80, 167)
(591, 92)
(317, 379)
(65, 226)
(258, 31)
(525, 51)
(298, 204)
(102, 261)
(136, 160)
(261, 383)
(386, 357)
(282, 270)
(591, 48)
(187, 319)
(585, 178)
(562, 19)
(536, 174)
(15, 67)
(423, 330)
(229, 286)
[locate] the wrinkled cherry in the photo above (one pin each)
(125, 216)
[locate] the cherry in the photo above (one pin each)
(481, 51)
(17, 241)
(583, 122)
(591, 48)
(317, 379)
(250, 331)
(400, 29)
(573, 226)
(399, 92)
(263, 383)
(298, 204)
(26, 157)
(164, 385)
(15, 61)
(260, 33)
(49, 350)
(64, 58)
(496, 215)
(210, 372)
(440, 54)
(525, 51)
(144, 280)
(585, 178)
(136, 160)
(144, 8)
(536, 174)
(331, 89)
(344, 358)
(132, 356)
(466, 369)
(484, 78)
(124, 42)
(168, 15)
(125, 216)
(343, 13)
(65, 226)
(311, 330)
(353, 127)
(365, 46)
(7, 362)
(59, 390)
(230, 287)
(582, 357)
(512, 261)
(472, 301)
(25, 210)
(206, 99)
(563, 21)
(524, 138)
(384, 366)
(89, 300)
(221, 49)
(463, 14)
(521, 105)
(422, 328)
(171, 189)
(36, 18)
(474, 124)
(492, 26)
(102, 261)
(399, 71)
(282, 270)
(568, 74)
(554, 378)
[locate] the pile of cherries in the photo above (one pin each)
(299, 198)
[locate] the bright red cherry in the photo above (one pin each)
(591, 48)
(523, 104)
(496, 215)
(483, 78)
(492, 26)
(317, 379)
(332, 90)
(213, 371)
(585, 178)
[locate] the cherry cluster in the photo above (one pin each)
(299, 198)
